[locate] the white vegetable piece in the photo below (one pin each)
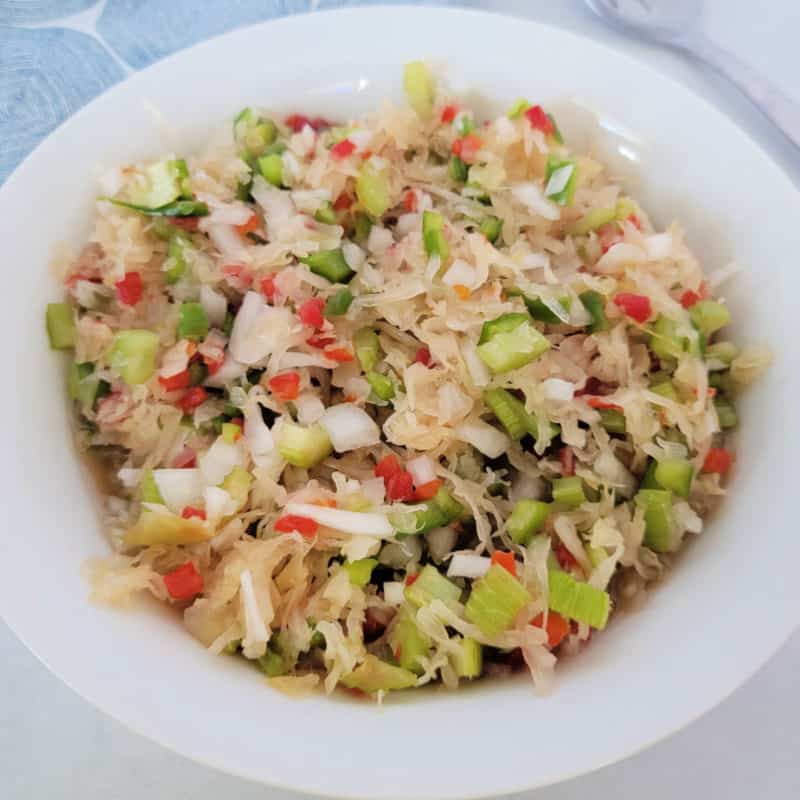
(478, 371)
(256, 432)
(459, 273)
(356, 523)
(215, 305)
(393, 592)
(422, 470)
(309, 408)
(258, 329)
(230, 371)
(179, 487)
(482, 436)
(219, 460)
(530, 195)
(468, 565)
(349, 427)
(557, 390)
(218, 503)
(256, 635)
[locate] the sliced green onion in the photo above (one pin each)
(560, 180)
(373, 190)
(329, 264)
(360, 571)
(577, 600)
(595, 304)
(271, 168)
(491, 228)
(180, 208)
(658, 518)
(338, 304)
(676, 475)
(367, 347)
(304, 447)
(433, 237)
(709, 316)
(420, 88)
(133, 355)
(569, 491)
(526, 519)
(380, 385)
(495, 601)
(60, 325)
(193, 322)
(457, 169)
(431, 585)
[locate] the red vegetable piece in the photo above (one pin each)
(387, 467)
(320, 340)
(427, 490)
(467, 147)
(293, 522)
(690, 298)
(565, 559)
(567, 458)
(505, 560)
(184, 582)
(410, 200)
(449, 113)
(285, 386)
(423, 356)
(191, 511)
(186, 459)
(400, 487)
(248, 227)
(718, 460)
(343, 149)
(539, 120)
(601, 404)
(180, 380)
(636, 306)
(130, 288)
(192, 398)
(185, 223)
(310, 313)
(557, 628)
(340, 354)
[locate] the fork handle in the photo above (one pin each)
(771, 101)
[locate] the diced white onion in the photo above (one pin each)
(393, 592)
(356, 523)
(229, 243)
(278, 206)
(618, 256)
(557, 390)
(468, 565)
(608, 467)
(530, 195)
(228, 214)
(482, 436)
(258, 329)
(215, 305)
(687, 517)
(360, 138)
(219, 460)
(422, 470)
(256, 634)
(353, 255)
(478, 371)
(658, 246)
(175, 359)
(230, 371)
(310, 200)
(309, 408)
(526, 487)
(406, 223)
(256, 432)
(349, 427)
(218, 503)
(179, 487)
(459, 273)
(379, 240)
(440, 542)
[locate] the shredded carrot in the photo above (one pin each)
(462, 291)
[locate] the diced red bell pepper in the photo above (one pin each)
(248, 227)
(566, 456)
(343, 202)
(410, 200)
(184, 582)
(689, 298)
(297, 122)
(636, 306)
(427, 490)
(410, 579)
(186, 459)
(343, 149)
(400, 486)
(467, 147)
(238, 275)
(310, 312)
(268, 288)
(557, 628)
(387, 467)
(130, 288)
(449, 113)
(320, 340)
(539, 120)
(423, 356)
(293, 522)
(718, 460)
(213, 365)
(506, 561)
(285, 386)
(180, 380)
(192, 398)
(565, 559)
(185, 223)
(340, 354)
(191, 511)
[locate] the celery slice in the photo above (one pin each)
(133, 355)
(726, 413)
(60, 326)
(675, 474)
(433, 237)
(665, 389)
(526, 519)
(468, 660)
(664, 340)
(271, 168)
(420, 88)
(612, 420)
(165, 182)
(380, 385)
(373, 190)
(577, 600)
(722, 351)
(591, 221)
(362, 225)
(505, 323)
(658, 519)
(457, 170)
(709, 316)
(495, 601)
(367, 347)
(374, 675)
(339, 304)
(304, 447)
(149, 488)
(409, 644)
(237, 484)
(508, 351)
(509, 411)
(431, 585)
(176, 257)
(360, 571)
(326, 214)
(569, 491)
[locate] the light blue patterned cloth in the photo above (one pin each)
(56, 55)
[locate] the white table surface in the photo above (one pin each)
(54, 745)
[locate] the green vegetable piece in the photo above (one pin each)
(569, 491)
(709, 316)
(649, 478)
(539, 311)
(272, 664)
(491, 228)
(495, 601)
(133, 355)
(338, 304)
(556, 130)
(468, 659)
(237, 484)
(722, 351)
(326, 214)
(360, 571)
(437, 513)
(83, 384)
(231, 432)
(180, 208)
(329, 264)
(612, 420)
(513, 349)
(502, 324)
(304, 447)
(367, 347)
(420, 88)
(409, 644)
(518, 109)
(676, 475)
(658, 519)
(162, 228)
(665, 389)
(560, 180)
(510, 411)
(271, 168)
(176, 258)
(227, 325)
(149, 488)
(595, 304)
(726, 413)
(362, 225)
(625, 207)
(164, 183)
(193, 321)
(457, 169)
(431, 585)
(526, 519)
(380, 385)
(464, 124)
(591, 221)
(577, 600)
(198, 372)
(597, 555)
(664, 340)
(433, 237)
(374, 675)
(60, 325)
(373, 190)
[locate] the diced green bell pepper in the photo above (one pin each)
(193, 322)
(60, 325)
(338, 305)
(595, 304)
(329, 264)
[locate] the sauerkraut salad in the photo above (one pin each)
(414, 398)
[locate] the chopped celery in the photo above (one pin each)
(362, 225)
(518, 109)
(723, 382)
(304, 447)
(526, 519)
(664, 340)
(253, 133)
(360, 571)
(162, 228)
(176, 258)
(60, 325)
(495, 601)
(451, 507)
(509, 410)
(431, 585)
(726, 413)
(457, 169)
(133, 355)
(374, 675)
(193, 323)
(149, 488)
(502, 324)
(560, 180)
(409, 644)
(665, 388)
(649, 478)
(433, 237)
(271, 168)
(231, 432)
(420, 88)
(709, 316)
(675, 474)
(325, 214)
(569, 491)
(237, 484)
(180, 208)
(83, 384)
(597, 555)
(722, 351)
(380, 385)
(468, 660)
(591, 221)
(612, 420)
(329, 264)
(373, 190)
(658, 519)
(436, 513)
(367, 347)
(338, 304)
(595, 304)
(513, 349)
(577, 600)
(491, 228)
(154, 528)
(625, 207)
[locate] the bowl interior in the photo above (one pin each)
(715, 619)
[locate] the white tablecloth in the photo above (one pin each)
(54, 745)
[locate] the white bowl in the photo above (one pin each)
(718, 616)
